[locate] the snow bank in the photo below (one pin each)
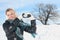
(44, 32)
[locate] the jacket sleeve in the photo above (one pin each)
(13, 29)
(7, 29)
(28, 28)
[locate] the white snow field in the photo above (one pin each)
(44, 32)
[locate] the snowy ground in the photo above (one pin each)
(51, 32)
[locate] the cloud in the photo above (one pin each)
(17, 3)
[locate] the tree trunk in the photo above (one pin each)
(47, 18)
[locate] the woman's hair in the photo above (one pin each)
(9, 10)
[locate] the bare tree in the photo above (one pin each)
(47, 11)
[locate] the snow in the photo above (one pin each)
(44, 32)
(2, 34)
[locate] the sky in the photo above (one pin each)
(21, 6)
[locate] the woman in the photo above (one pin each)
(14, 27)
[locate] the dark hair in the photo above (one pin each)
(8, 10)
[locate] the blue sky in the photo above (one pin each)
(22, 6)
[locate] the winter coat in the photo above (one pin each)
(16, 28)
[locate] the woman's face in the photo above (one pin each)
(11, 14)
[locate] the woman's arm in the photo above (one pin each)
(5, 28)
(9, 28)
(12, 28)
(28, 28)
(31, 28)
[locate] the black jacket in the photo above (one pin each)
(10, 28)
